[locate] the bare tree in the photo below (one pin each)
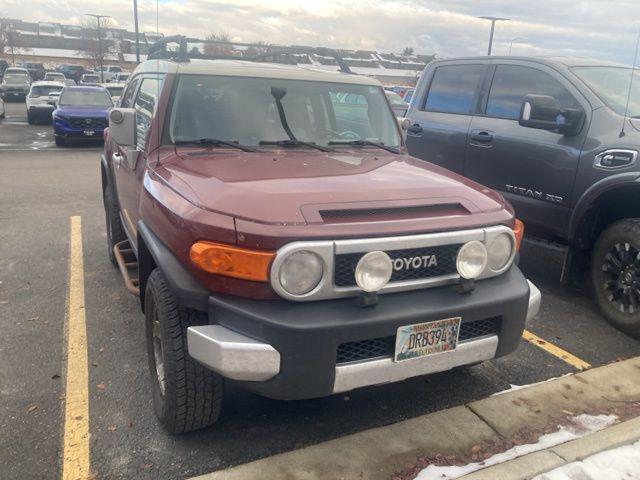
(90, 43)
(407, 52)
(261, 47)
(218, 49)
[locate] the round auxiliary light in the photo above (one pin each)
(472, 259)
(300, 272)
(499, 252)
(373, 271)
(116, 116)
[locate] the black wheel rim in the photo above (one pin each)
(621, 277)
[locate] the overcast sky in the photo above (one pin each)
(604, 29)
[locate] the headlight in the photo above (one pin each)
(472, 259)
(373, 271)
(499, 252)
(300, 272)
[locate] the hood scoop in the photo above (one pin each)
(387, 214)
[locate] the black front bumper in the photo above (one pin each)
(307, 335)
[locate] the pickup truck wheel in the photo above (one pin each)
(115, 230)
(615, 273)
(186, 395)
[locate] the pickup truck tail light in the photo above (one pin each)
(518, 231)
(231, 261)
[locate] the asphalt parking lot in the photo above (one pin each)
(41, 188)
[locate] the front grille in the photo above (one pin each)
(345, 264)
(88, 123)
(384, 346)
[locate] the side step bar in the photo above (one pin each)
(128, 265)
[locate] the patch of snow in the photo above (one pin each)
(584, 424)
(622, 463)
(514, 388)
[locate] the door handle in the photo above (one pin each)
(415, 129)
(482, 136)
(117, 158)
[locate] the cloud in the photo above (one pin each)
(445, 27)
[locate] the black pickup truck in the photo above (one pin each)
(559, 138)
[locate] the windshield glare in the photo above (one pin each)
(84, 98)
(611, 84)
(244, 110)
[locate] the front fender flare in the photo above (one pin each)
(591, 195)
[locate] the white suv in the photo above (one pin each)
(40, 100)
(109, 72)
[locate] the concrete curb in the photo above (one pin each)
(529, 466)
(378, 453)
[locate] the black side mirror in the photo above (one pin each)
(543, 112)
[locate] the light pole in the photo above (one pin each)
(135, 21)
(13, 41)
(98, 17)
(493, 21)
(515, 40)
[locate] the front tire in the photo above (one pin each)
(615, 273)
(186, 395)
(30, 119)
(60, 141)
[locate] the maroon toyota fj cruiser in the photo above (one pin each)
(280, 236)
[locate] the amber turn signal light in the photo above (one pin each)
(232, 261)
(518, 231)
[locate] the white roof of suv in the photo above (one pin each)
(242, 68)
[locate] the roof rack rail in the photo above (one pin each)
(158, 50)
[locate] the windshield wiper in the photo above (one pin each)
(294, 143)
(367, 143)
(214, 142)
(278, 94)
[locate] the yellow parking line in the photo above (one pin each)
(555, 351)
(75, 456)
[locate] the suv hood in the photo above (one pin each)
(300, 186)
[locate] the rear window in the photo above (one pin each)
(90, 98)
(43, 91)
(453, 88)
(90, 78)
(395, 99)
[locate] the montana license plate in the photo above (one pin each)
(420, 339)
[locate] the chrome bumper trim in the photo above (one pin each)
(231, 354)
(535, 298)
(374, 372)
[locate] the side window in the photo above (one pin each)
(145, 105)
(512, 82)
(453, 88)
(126, 101)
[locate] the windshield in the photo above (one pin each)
(90, 78)
(611, 84)
(13, 79)
(85, 98)
(42, 91)
(52, 76)
(244, 110)
(395, 99)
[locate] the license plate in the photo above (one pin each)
(89, 133)
(421, 339)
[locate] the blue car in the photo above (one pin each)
(81, 114)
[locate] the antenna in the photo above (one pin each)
(633, 74)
